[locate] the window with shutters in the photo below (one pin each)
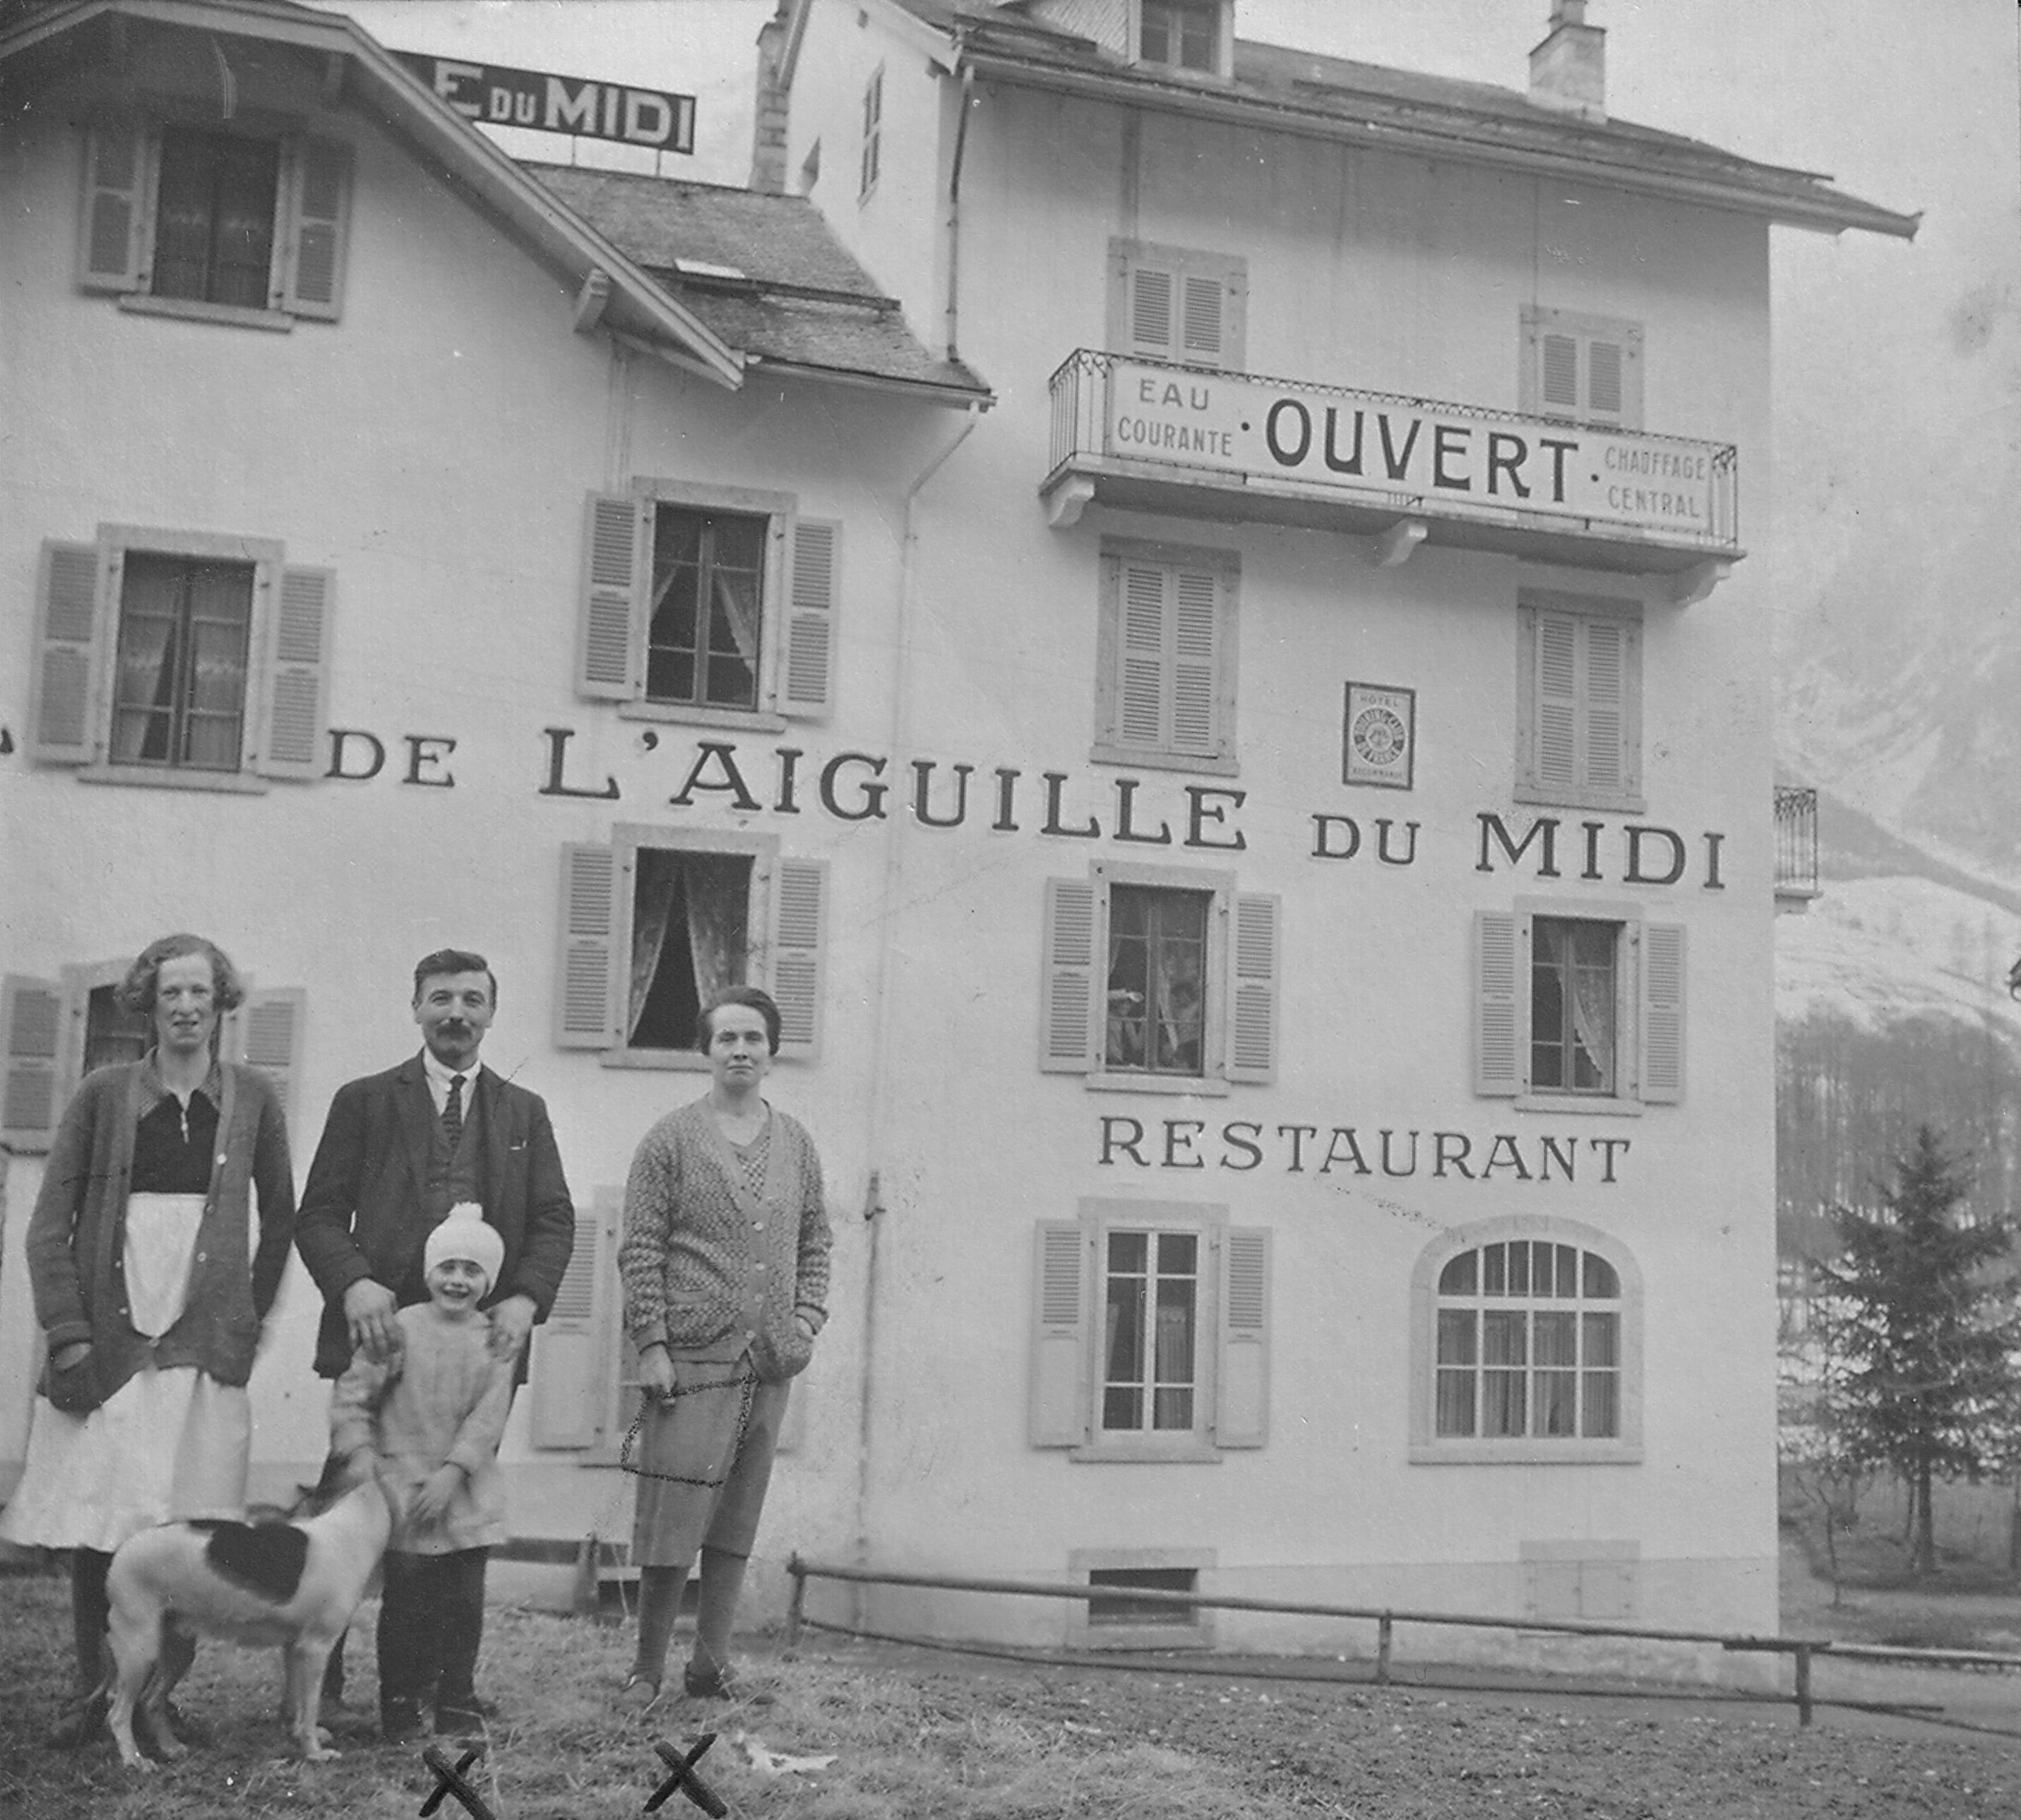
(58, 1030)
(711, 605)
(1579, 701)
(1583, 1011)
(1151, 1332)
(1159, 979)
(228, 224)
(1526, 1338)
(181, 657)
(1582, 369)
(1165, 657)
(873, 134)
(656, 924)
(1178, 303)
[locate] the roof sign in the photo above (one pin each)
(493, 95)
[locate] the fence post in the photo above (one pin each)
(798, 1569)
(1803, 1684)
(1385, 1631)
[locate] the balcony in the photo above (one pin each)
(1145, 436)
(1795, 847)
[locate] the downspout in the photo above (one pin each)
(954, 202)
(873, 1200)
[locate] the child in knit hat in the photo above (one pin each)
(434, 1413)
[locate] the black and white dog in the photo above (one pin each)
(293, 1583)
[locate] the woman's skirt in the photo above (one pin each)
(166, 1445)
(705, 1460)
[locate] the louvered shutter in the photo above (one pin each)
(318, 189)
(111, 250)
(269, 1030)
(1497, 1021)
(569, 1387)
(1242, 1379)
(1605, 699)
(298, 675)
(1252, 1049)
(1559, 375)
(1060, 1399)
(1202, 342)
(1662, 1022)
(1557, 700)
(1150, 311)
(813, 590)
(31, 1025)
(1587, 368)
(799, 894)
(1142, 687)
(1067, 997)
(67, 654)
(1195, 662)
(587, 962)
(608, 640)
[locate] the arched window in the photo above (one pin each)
(1528, 1347)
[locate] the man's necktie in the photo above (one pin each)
(451, 1114)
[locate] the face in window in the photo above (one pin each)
(454, 1011)
(185, 1006)
(739, 1053)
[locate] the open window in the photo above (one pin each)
(658, 923)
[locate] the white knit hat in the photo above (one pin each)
(464, 1234)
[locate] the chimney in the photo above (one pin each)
(1568, 70)
(768, 133)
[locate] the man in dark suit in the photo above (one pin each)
(401, 1148)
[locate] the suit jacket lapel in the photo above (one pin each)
(491, 1184)
(416, 1108)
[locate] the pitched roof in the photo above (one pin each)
(763, 272)
(1401, 111)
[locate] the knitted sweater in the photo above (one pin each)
(443, 1403)
(707, 1264)
(77, 1235)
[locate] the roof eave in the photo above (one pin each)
(966, 397)
(1828, 213)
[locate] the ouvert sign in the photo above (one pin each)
(1454, 459)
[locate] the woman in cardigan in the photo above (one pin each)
(150, 1290)
(724, 1261)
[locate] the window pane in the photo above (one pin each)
(690, 939)
(1502, 1412)
(1557, 1339)
(112, 1033)
(1601, 1418)
(1458, 1278)
(1457, 1336)
(1129, 1251)
(1455, 1402)
(1494, 1270)
(1177, 1254)
(1557, 1393)
(1603, 1339)
(179, 675)
(1157, 951)
(1600, 1280)
(1519, 1268)
(214, 217)
(1124, 1350)
(706, 632)
(1504, 1338)
(1568, 1275)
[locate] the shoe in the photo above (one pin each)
(459, 1722)
(401, 1723)
(81, 1722)
(723, 1683)
(637, 1693)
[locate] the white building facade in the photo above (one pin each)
(1185, 605)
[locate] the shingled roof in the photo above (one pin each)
(763, 272)
(1400, 111)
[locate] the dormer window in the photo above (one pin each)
(1181, 34)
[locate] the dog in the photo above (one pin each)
(294, 1583)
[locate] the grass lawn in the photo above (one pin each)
(941, 1735)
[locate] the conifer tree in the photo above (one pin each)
(1924, 1319)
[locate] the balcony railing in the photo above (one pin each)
(1796, 843)
(1148, 436)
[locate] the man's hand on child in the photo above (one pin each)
(511, 1321)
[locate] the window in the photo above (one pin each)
(181, 657)
(1529, 1342)
(1579, 701)
(1185, 999)
(1176, 1365)
(1115, 1617)
(1582, 369)
(710, 604)
(233, 225)
(1526, 1345)
(1167, 655)
(873, 128)
(658, 923)
(1177, 304)
(1180, 34)
(1582, 1011)
(57, 1031)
